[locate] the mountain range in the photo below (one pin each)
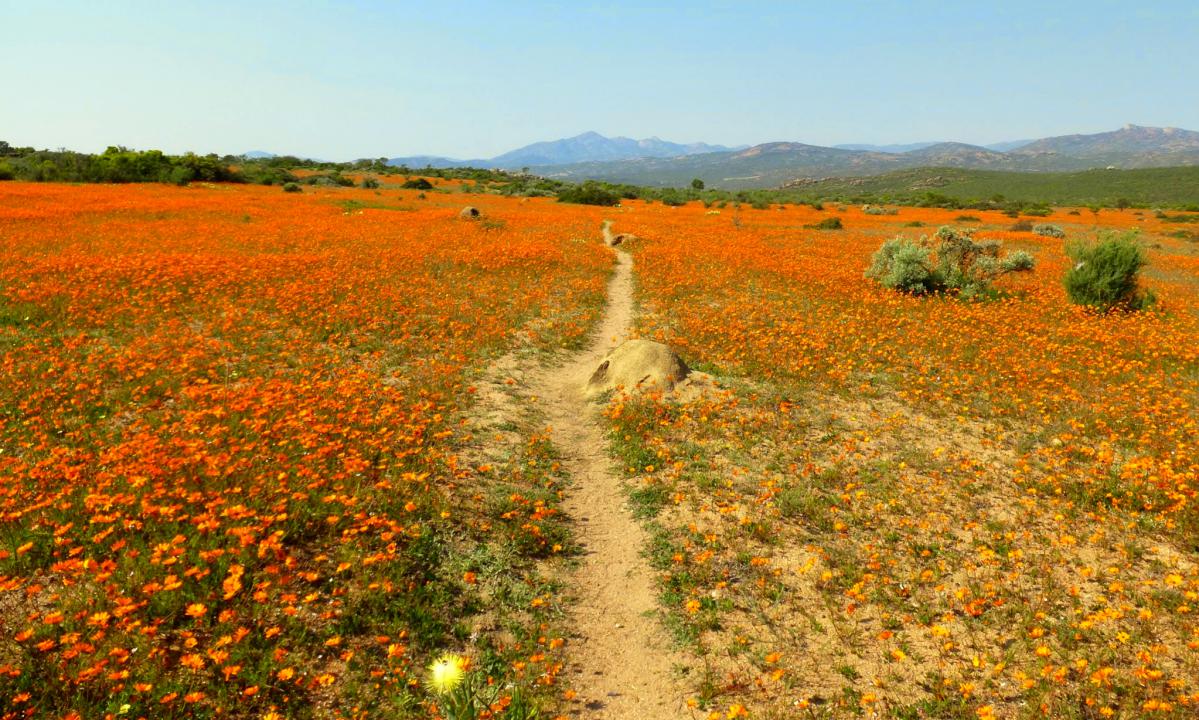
(587, 147)
(658, 162)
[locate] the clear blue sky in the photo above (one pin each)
(342, 80)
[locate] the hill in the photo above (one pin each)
(1128, 140)
(775, 163)
(1173, 186)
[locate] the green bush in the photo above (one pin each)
(292, 187)
(832, 223)
(672, 198)
(967, 218)
(6, 171)
(1021, 226)
(589, 193)
(1048, 230)
(904, 265)
(1106, 274)
(417, 184)
(370, 183)
(1018, 261)
(962, 264)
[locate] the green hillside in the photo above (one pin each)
(1172, 186)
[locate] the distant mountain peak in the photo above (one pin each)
(589, 146)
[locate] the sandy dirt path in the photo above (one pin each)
(621, 662)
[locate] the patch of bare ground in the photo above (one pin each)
(837, 556)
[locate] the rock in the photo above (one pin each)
(612, 240)
(469, 213)
(638, 366)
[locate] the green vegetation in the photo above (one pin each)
(589, 193)
(1048, 230)
(904, 265)
(115, 165)
(1176, 187)
(830, 223)
(1105, 274)
(961, 264)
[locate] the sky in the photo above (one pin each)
(345, 80)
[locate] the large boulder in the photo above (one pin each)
(469, 213)
(638, 366)
(613, 239)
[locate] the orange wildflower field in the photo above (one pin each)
(228, 419)
(236, 478)
(921, 507)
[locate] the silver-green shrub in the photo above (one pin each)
(1048, 230)
(960, 264)
(903, 265)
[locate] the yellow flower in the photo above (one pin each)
(446, 673)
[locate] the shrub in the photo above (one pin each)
(1106, 274)
(903, 265)
(370, 183)
(962, 264)
(417, 184)
(671, 198)
(6, 171)
(589, 193)
(1037, 211)
(1021, 226)
(292, 187)
(1018, 261)
(697, 184)
(1048, 230)
(878, 210)
(967, 218)
(832, 223)
(760, 205)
